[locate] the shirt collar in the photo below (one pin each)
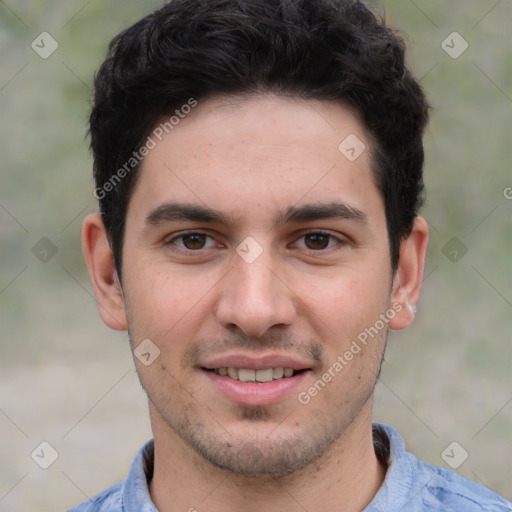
(136, 497)
(404, 479)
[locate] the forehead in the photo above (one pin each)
(249, 156)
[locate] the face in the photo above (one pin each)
(256, 258)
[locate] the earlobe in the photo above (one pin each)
(100, 264)
(409, 274)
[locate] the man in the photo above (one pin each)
(258, 165)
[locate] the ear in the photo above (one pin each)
(409, 275)
(100, 264)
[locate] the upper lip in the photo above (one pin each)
(256, 362)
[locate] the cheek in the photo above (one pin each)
(165, 305)
(169, 306)
(344, 303)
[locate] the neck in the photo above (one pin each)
(345, 478)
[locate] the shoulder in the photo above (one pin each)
(110, 500)
(129, 494)
(448, 491)
(417, 486)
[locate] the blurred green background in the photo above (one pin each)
(68, 380)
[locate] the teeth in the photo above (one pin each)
(277, 373)
(246, 375)
(288, 372)
(264, 375)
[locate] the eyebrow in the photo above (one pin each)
(318, 211)
(170, 212)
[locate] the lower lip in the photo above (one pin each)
(251, 393)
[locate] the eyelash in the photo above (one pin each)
(171, 242)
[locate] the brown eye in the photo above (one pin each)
(194, 241)
(317, 241)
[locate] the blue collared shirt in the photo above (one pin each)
(410, 486)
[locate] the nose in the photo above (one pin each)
(255, 298)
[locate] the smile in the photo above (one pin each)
(248, 375)
(254, 388)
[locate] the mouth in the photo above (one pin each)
(255, 381)
(257, 376)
